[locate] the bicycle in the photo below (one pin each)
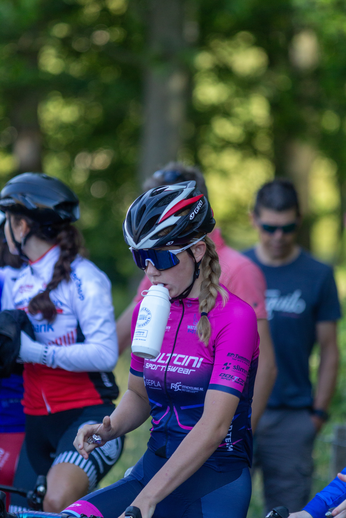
(131, 511)
(34, 496)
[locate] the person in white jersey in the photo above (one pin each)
(68, 379)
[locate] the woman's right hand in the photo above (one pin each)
(104, 430)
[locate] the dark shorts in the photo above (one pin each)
(49, 441)
(284, 442)
(207, 493)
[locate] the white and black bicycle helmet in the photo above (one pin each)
(168, 216)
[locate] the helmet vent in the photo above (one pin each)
(166, 200)
(149, 225)
(157, 191)
(140, 214)
(164, 232)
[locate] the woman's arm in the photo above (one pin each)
(91, 303)
(194, 450)
(132, 411)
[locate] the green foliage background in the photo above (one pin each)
(267, 96)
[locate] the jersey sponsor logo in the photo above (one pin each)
(25, 287)
(193, 329)
(179, 359)
(228, 439)
(180, 363)
(231, 377)
(196, 210)
(238, 358)
(43, 328)
(239, 369)
(144, 317)
(152, 383)
(179, 387)
(170, 368)
(105, 380)
(67, 339)
(291, 303)
(78, 284)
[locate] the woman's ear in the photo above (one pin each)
(20, 228)
(199, 250)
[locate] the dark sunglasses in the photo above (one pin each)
(169, 176)
(286, 229)
(161, 259)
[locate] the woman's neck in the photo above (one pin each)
(35, 248)
(196, 288)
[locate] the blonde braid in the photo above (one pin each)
(210, 287)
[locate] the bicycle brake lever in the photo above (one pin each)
(278, 512)
(133, 511)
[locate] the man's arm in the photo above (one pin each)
(266, 373)
(328, 368)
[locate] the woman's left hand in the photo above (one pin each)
(145, 504)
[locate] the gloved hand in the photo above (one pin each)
(31, 351)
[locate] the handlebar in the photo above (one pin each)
(34, 496)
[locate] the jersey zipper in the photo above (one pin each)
(165, 377)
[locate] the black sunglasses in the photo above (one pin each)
(286, 229)
(170, 176)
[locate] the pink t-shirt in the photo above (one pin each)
(238, 273)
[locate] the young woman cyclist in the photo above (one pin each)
(67, 370)
(199, 389)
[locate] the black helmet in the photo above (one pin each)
(44, 199)
(168, 215)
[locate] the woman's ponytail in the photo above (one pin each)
(210, 288)
(70, 242)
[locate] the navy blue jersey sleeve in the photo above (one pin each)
(328, 304)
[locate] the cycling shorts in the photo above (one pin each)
(49, 441)
(10, 445)
(206, 494)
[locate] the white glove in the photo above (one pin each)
(31, 351)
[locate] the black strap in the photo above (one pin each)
(16, 243)
(133, 511)
(196, 273)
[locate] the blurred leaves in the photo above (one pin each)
(265, 77)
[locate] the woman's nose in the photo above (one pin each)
(151, 270)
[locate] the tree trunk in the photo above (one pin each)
(165, 87)
(27, 146)
(295, 163)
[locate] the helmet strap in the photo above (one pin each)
(196, 273)
(17, 244)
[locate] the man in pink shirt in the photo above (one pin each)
(240, 275)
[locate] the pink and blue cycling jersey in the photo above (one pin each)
(178, 379)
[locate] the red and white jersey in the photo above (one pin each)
(76, 374)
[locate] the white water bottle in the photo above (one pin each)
(151, 322)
